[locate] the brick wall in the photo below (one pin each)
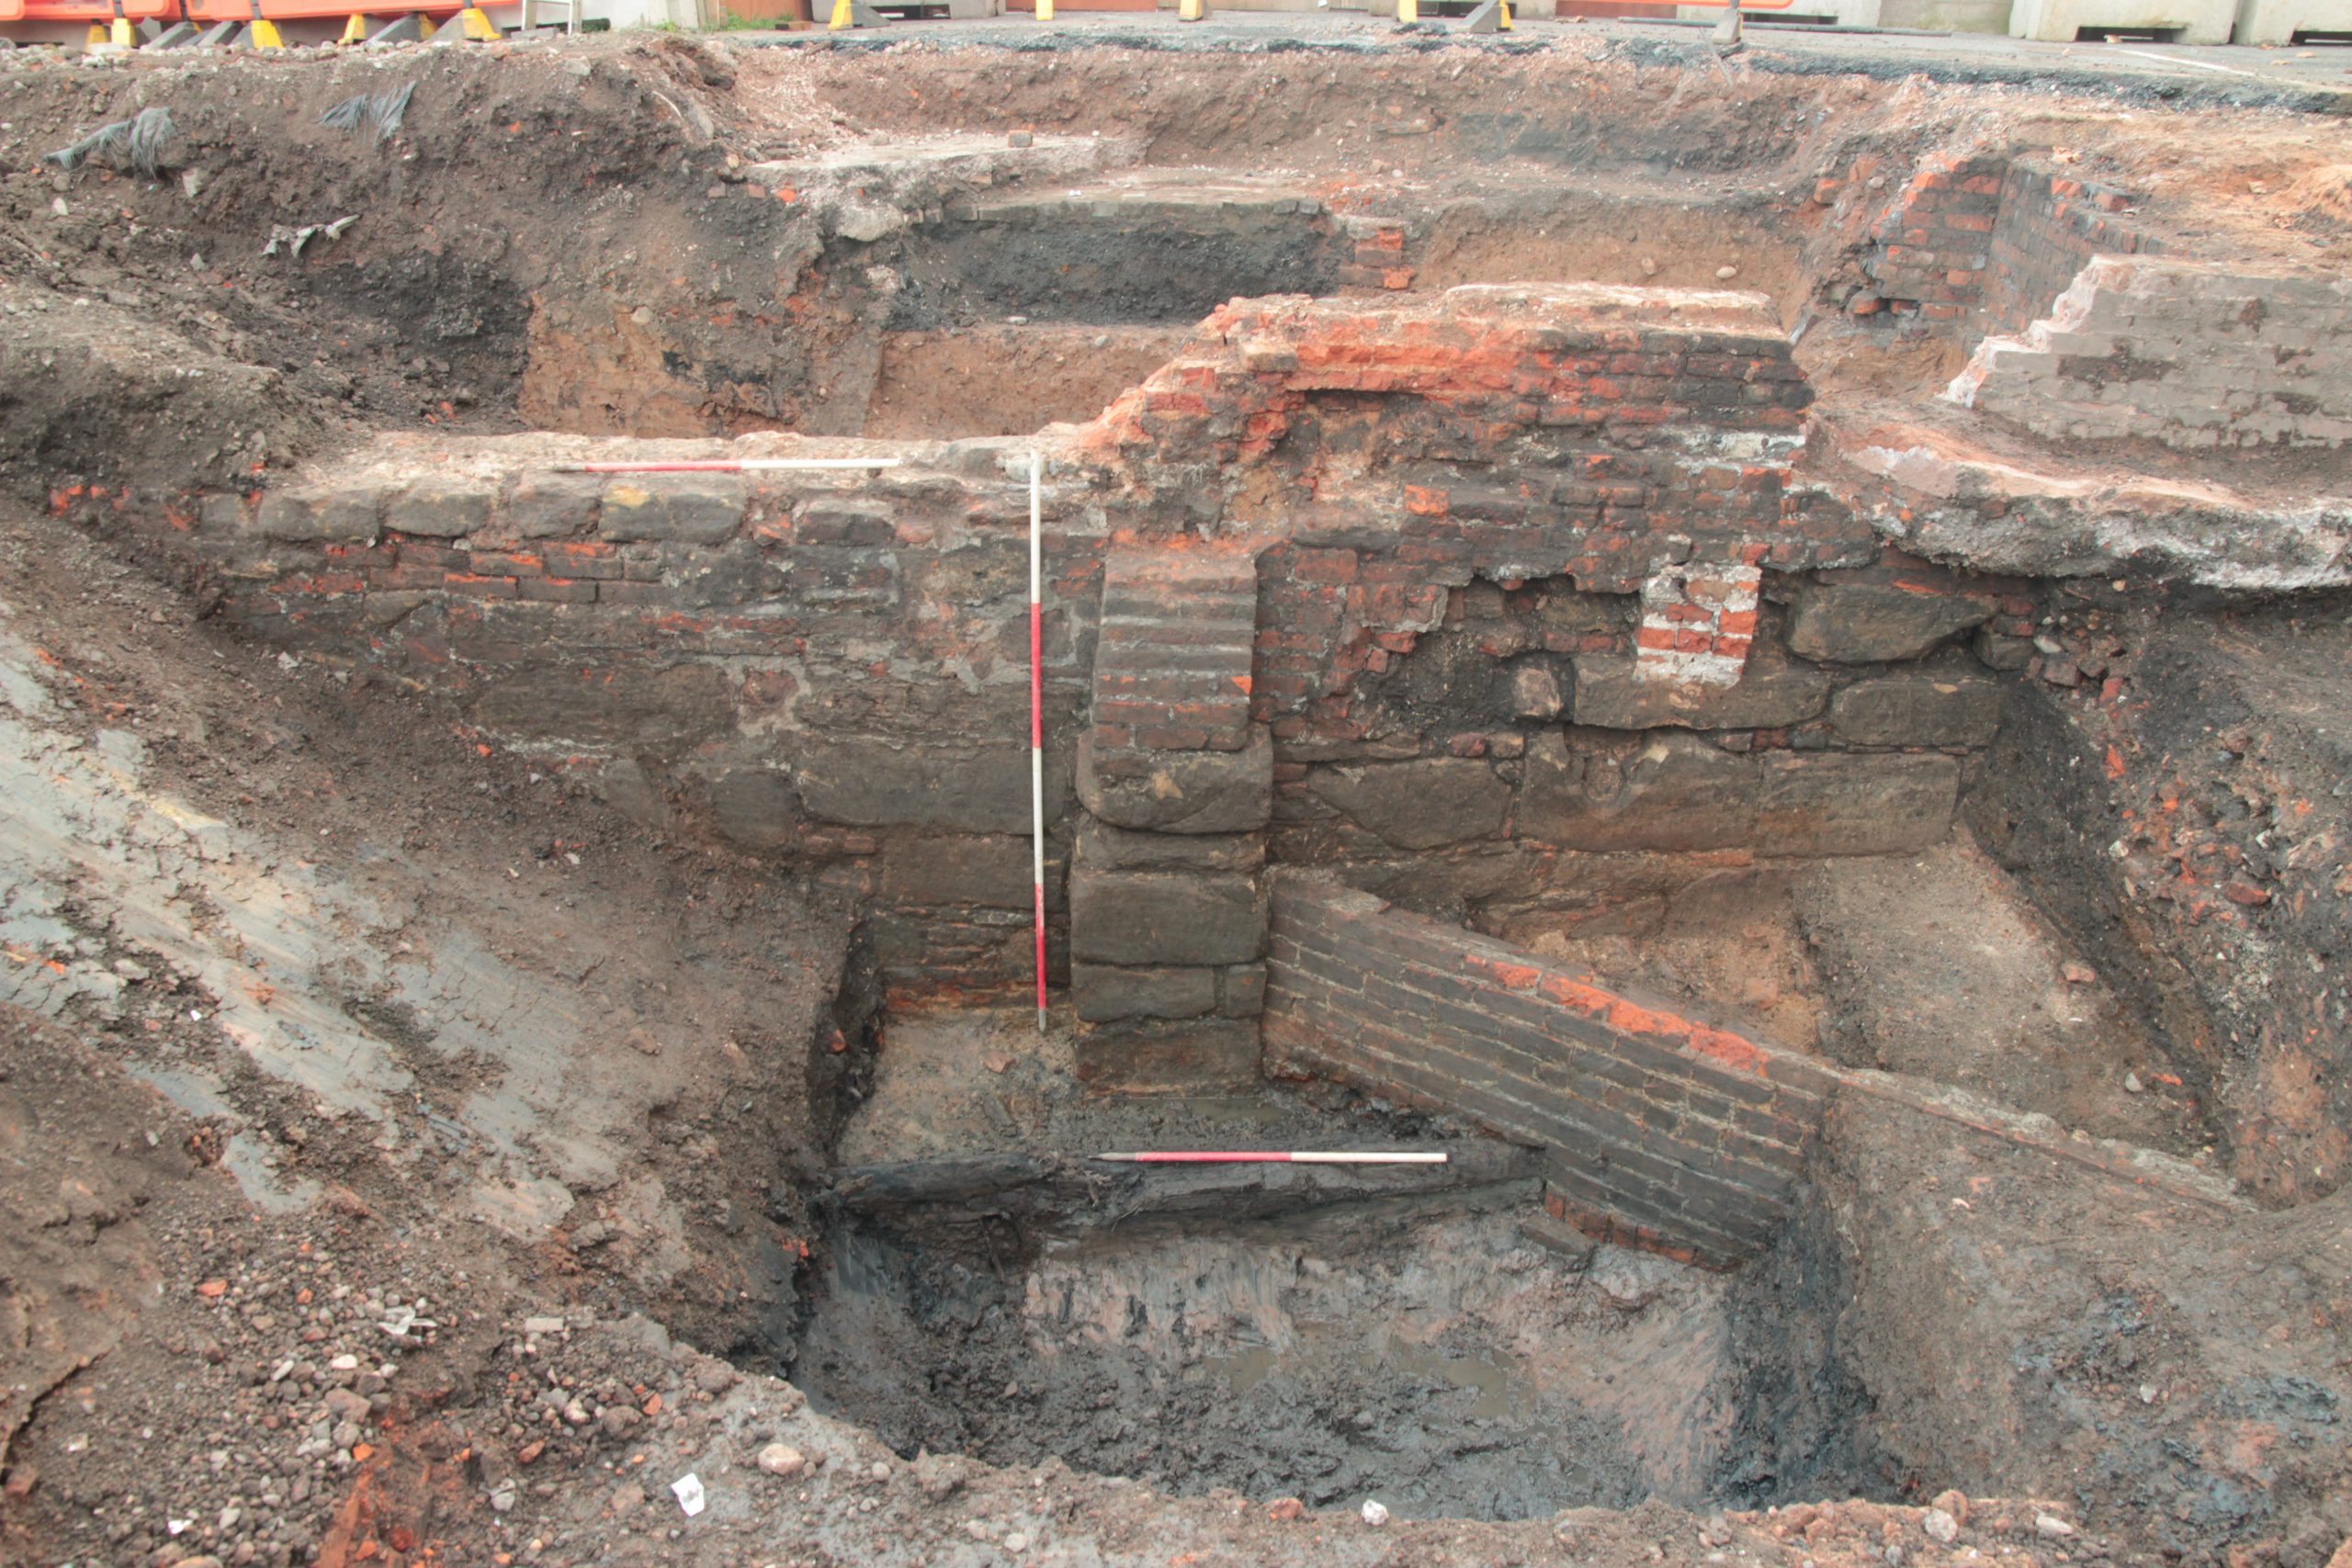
(2051, 225)
(1660, 1130)
(2193, 355)
(1480, 583)
(1934, 242)
(824, 669)
(1985, 240)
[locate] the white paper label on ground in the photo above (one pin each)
(688, 1488)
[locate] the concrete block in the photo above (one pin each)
(2063, 21)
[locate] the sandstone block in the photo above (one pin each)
(1104, 992)
(992, 871)
(1147, 1055)
(1241, 990)
(1824, 804)
(440, 507)
(884, 783)
(1769, 694)
(550, 506)
(1921, 709)
(1675, 792)
(1159, 918)
(659, 711)
(1105, 848)
(1421, 803)
(1186, 792)
(343, 514)
(692, 509)
(755, 807)
(1859, 623)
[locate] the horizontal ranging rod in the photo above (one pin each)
(1290, 1156)
(727, 466)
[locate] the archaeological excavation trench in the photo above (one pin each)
(1754, 655)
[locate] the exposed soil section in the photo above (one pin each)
(984, 381)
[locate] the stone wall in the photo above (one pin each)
(1490, 592)
(1540, 602)
(2193, 356)
(829, 670)
(1659, 1131)
(1168, 905)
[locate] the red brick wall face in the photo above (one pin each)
(1661, 1131)
(1985, 240)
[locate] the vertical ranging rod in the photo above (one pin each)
(1037, 724)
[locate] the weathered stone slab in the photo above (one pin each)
(1186, 792)
(1870, 623)
(755, 807)
(1104, 992)
(1166, 917)
(883, 783)
(1419, 804)
(1825, 804)
(1675, 792)
(1106, 848)
(693, 509)
(1922, 709)
(1771, 695)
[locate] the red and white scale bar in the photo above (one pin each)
(1038, 720)
(1276, 1156)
